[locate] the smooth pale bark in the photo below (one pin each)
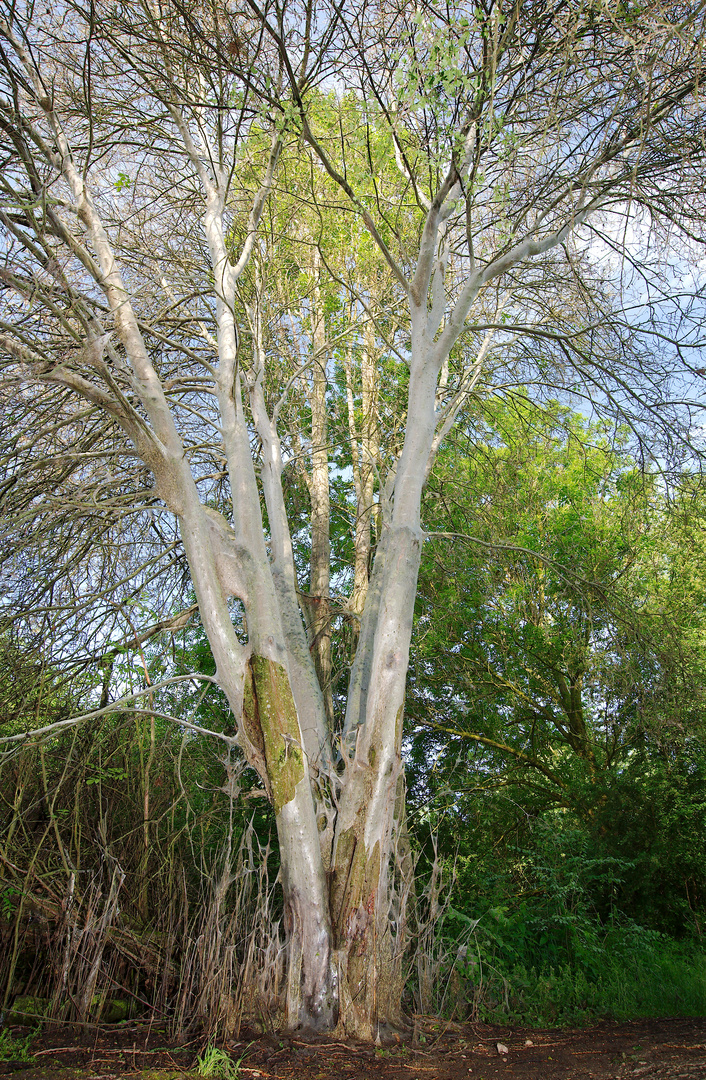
(276, 692)
(319, 600)
(366, 826)
(370, 805)
(308, 695)
(275, 687)
(365, 452)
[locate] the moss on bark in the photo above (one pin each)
(272, 726)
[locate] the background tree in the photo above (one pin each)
(555, 712)
(565, 645)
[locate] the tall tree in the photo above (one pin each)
(488, 146)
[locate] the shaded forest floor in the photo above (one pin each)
(648, 1049)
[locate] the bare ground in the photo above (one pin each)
(645, 1049)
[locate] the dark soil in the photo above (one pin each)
(645, 1049)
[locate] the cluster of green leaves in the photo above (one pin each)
(15, 1050)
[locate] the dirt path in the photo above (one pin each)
(648, 1050)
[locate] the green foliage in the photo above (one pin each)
(8, 900)
(634, 972)
(555, 708)
(558, 664)
(537, 951)
(217, 1063)
(12, 1049)
(32, 694)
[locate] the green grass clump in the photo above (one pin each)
(217, 1064)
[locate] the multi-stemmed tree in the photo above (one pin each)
(149, 355)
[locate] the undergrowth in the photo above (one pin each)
(639, 973)
(534, 947)
(186, 925)
(12, 1049)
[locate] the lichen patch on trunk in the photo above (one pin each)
(272, 726)
(255, 750)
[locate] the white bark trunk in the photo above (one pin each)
(256, 680)
(320, 561)
(365, 451)
(366, 823)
